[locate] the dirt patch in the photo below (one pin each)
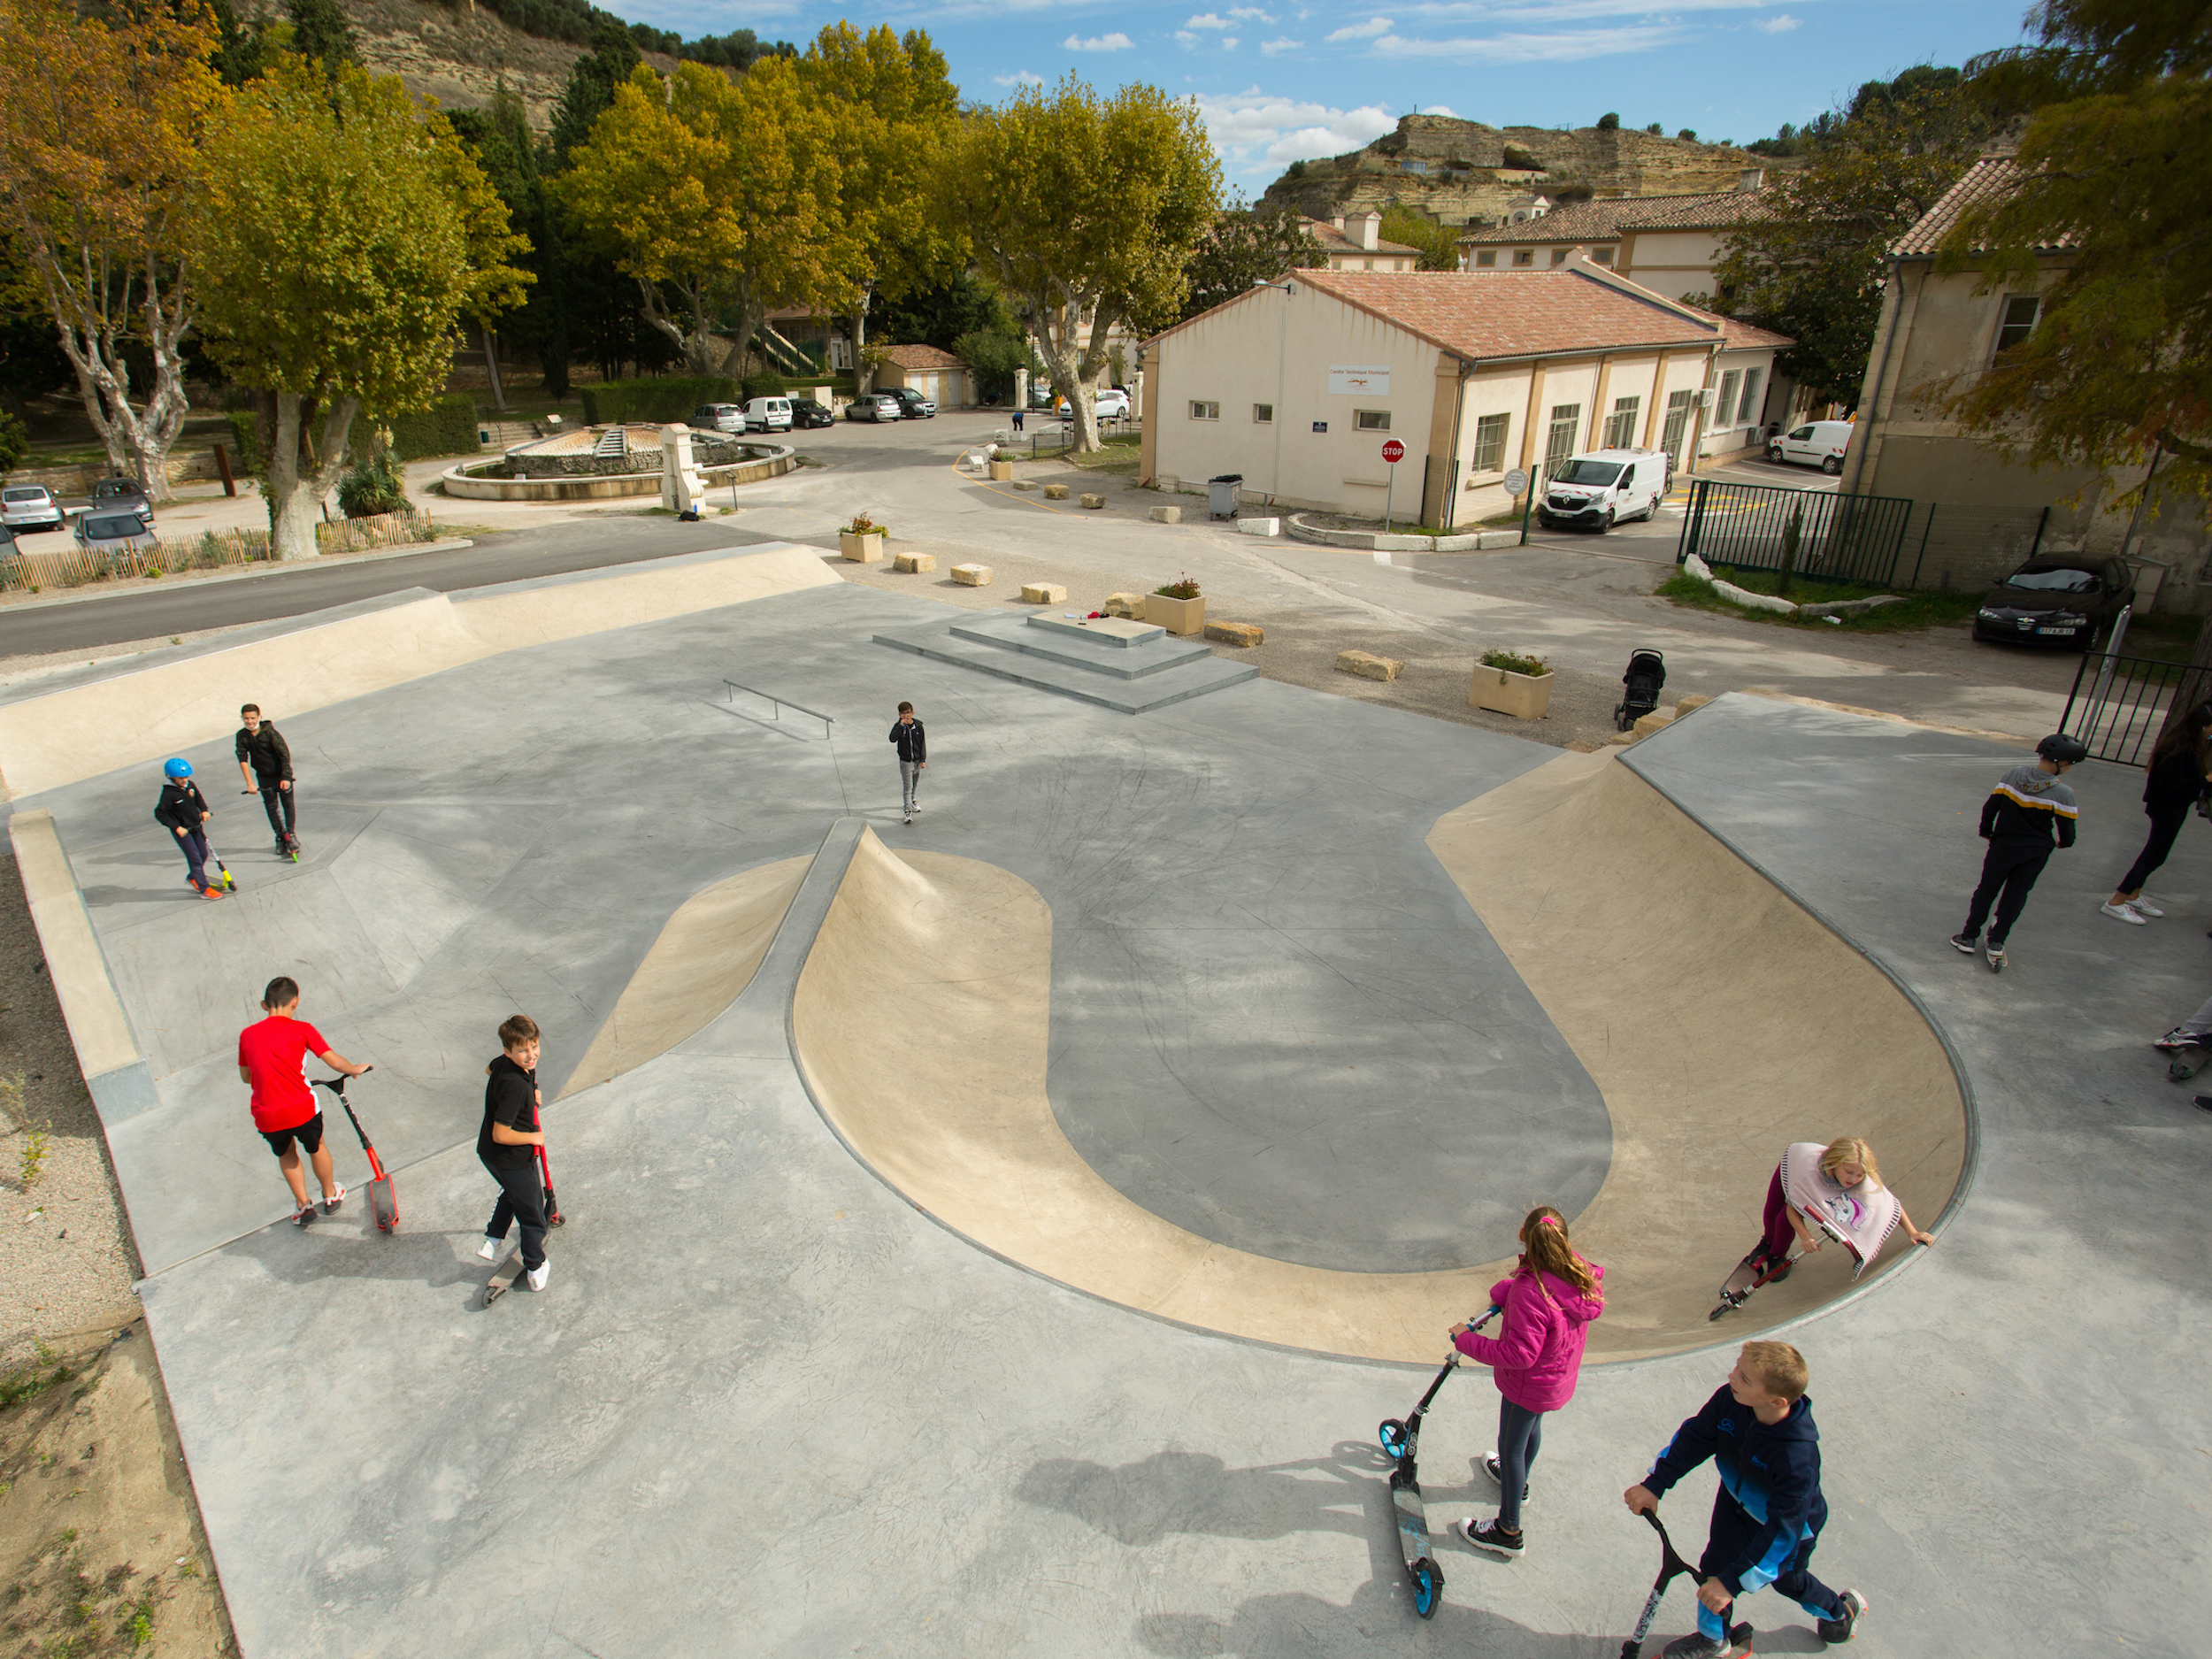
(100, 1540)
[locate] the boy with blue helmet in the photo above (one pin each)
(181, 811)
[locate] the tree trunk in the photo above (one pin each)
(296, 490)
(92, 326)
(692, 341)
(491, 363)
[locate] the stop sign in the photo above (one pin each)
(1393, 452)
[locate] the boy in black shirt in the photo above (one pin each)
(264, 762)
(507, 1147)
(2027, 813)
(181, 811)
(913, 756)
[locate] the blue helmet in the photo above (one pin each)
(177, 768)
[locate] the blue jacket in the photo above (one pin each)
(1772, 1470)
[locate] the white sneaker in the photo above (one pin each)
(331, 1201)
(489, 1251)
(538, 1275)
(2142, 906)
(2122, 913)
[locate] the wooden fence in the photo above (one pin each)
(57, 561)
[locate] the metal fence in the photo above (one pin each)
(1052, 436)
(1840, 538)
(38, 563)
(2118, 704)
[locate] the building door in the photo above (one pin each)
(1679, 407)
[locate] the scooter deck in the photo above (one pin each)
(503, 1281)
(383, 1205)
(1413, 1517)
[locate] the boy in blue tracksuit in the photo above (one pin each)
(1767, 1515)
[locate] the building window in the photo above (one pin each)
(1559, 255)
(1490, 442)
(1602, 256)
(1371, 419)
(1487, 259)
(2021, 311)
(1204, 411)
(1263, 413)
(1620, 425)
(1748, 410)
(1524, 256)
(1725, 407)
(1566, 421)
(1680, 407)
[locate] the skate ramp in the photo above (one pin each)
(1722, 1022)
(707, 953)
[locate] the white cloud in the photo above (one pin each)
(1229, 44)
(1363, 31)
(1115, 42)
(1207, 20)
(1185, 39)
(1486, 13)
(1779, 24)
(1019, 78)
(1531, 49)
(1286, 44)
(1255, 132)
(1249, 14)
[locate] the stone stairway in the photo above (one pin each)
(1127, 666)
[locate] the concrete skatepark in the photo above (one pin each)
(1002, 1232)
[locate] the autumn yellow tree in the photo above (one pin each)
(349, 234)
(722, 198)
(101, 136)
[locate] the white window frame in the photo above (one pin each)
(1725, 405)
(1263, 414)
(1748, 410)
(2005, 325)
(1370, 420)
(1502, 430)
(1620, 425)
(1486, 258)
(1203, 410)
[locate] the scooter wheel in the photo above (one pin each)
(1428, 1589)
(1391, 1436)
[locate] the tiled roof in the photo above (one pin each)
(921, 357)
(1743, 336)
(1987, 181)
(1604, 221)
(1334, 240)
(1512, 313)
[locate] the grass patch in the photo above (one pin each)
(1919, 611)
(1111, 457)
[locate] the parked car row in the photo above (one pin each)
(901, 402)
(2065, 601)
(35, 507)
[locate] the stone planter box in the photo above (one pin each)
(1001, 471)
(861, 550)
(1523, 697)
(1184, 617)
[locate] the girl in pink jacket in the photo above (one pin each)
(1536, 1357)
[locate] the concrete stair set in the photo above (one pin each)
(1117, 664)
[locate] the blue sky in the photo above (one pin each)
(1278, 82)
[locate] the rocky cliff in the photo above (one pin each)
(1463, 172)
(458, 54)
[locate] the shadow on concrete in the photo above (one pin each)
(345, 1246)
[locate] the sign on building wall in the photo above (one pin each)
(1352, 379)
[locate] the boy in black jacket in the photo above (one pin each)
(913, 756)
(507, 1146)
(2028, 813)
(1767, 1515)
(181, 810)
(265, 763)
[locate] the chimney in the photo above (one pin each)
(1369, 230)
(1752, 179)
(1338, 221)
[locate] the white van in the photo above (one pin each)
(1595, 491)
(768, 414)
(1819, 443)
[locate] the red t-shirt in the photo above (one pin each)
(274, 1054)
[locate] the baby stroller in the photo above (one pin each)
(1646, 673)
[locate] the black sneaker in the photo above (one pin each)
(1492, 1467)
(304, 1215)
(1490, 1536)
(1835, 1630)
(1966, 942)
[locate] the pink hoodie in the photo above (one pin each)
(1537, 1353)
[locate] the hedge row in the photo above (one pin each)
(659, 400)
(447, 427)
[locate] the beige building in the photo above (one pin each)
(1476, 373)
(1356, 244)
(1667, 243)
(1937, 333)
(936, 374)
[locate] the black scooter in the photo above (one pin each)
(1401, 1440)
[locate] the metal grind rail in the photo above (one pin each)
(777, 704)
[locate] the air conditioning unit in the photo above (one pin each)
(1705, 400)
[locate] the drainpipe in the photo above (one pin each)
(1881, 373)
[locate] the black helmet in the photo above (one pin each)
(2067, 751)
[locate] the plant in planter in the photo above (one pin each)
(1178, 607)
(1507, 682)
(862, 540)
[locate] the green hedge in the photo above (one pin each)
(245, 444)
(662, 398)
(448, 427)
(763, 386)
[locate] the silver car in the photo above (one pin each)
(116, 536)
(112, 494)
(878, 406)
(718, 418)
(30, 507)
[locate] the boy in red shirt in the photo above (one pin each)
(272, 1059)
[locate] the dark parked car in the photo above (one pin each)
(912, 404)
(117, 494)
(2070, 601)
(806, 412)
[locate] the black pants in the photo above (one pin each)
(1733, 1529)
(2166, 822)
(521, 1198)
(277, 804)
(2008, 872)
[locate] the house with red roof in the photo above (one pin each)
(934, 372)
(1476, 374)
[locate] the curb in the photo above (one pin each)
(1375, 541)
(97, 591)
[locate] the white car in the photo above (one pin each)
(1819, 443)
(1112, 403)
(768, 414)
(1597, 490)
(30, 507)
(717, 418)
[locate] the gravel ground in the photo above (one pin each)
(16, 669)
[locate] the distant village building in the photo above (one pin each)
(1356, 244)
(1667, 243)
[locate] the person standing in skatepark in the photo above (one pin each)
(1535, 1358)
(2175, 781)
(2027, 814)
(181, 811)
(913, 747)
(265, 763)
(272, 1061)
(506, 1146)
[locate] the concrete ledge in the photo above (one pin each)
(1367, 665)
(1375, 541)
(914, 564)
(604, 486)
(972, 575)
(1160, 515)
(1259, 526)
(98, 1028)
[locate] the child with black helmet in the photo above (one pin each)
(2027, 814)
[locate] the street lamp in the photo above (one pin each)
(1282, 347)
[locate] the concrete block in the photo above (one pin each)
(1094, 502)
(972, 575)
(1687, 703)
(1044, 594)
(913, 563)
(1056, 492)
(1236, 632)
(1655, 721)
(1130, 605)
(1259, 526)
(1367, 665)
(1160, 515)
(1025, 483)
(1622, 740)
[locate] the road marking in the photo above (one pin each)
(1010, 495)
